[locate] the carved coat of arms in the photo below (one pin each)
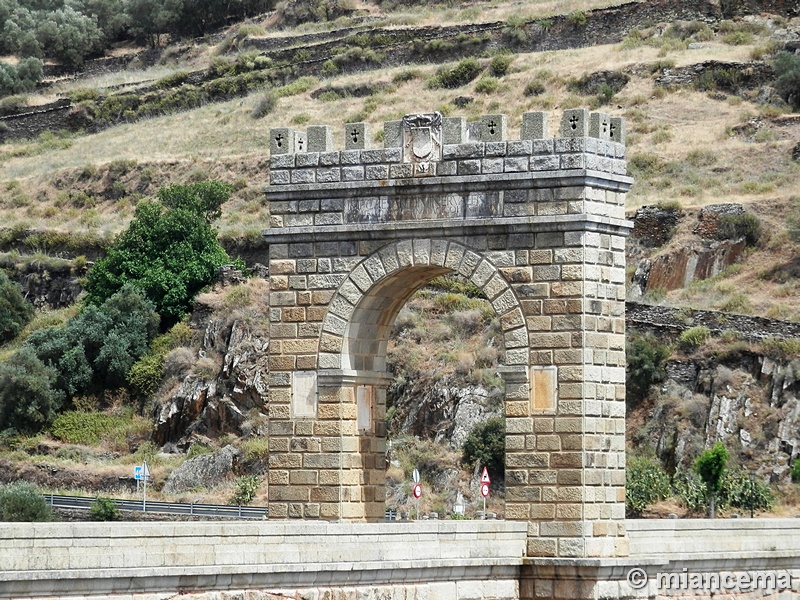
(422, 141)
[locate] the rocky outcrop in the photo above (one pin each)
(749, 402)
(653, 225)
(231, 387)
(443, 410)
(246, 367)
(729, 77)
(675, 270)
(206, 470)
(717, 246)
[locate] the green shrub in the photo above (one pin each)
(245, 490)
(693, 338)
(256, 448)
(485, 446)
(457, 76)
(487, 85)
(169, 251)
(646, 356)
(98, 346)
(534, 88)
(733, 227)
(264, 105)
(15, 312)
(145, 375)
(796, 471)
(740, 490)
(500, 64)
(23, 503)
(738, 38)
(29, 397)
(514, 32)
(104, 509)
(690, 489)
(785, 349)
(91, 428)
(577, 19)
(407, 75)
(646, 482)
(20, 78)
(787, 77)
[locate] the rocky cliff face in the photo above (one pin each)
(227, 392)
(746, 400)
(703, 254)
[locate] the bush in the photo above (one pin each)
(29, 398)
(500, 64)
(487, 85)
(24, 77)
(694, 337)
(733, 227)
(90, 428)
(577, 19)
(646, 482)
(246, 488)
(739, 490)
(97, 348)
(104, 509)
(15, 312)
(456, 77)
(169, 251)
(646, 358)
(485, 446)
(514, 31)
(534, 88)
(23, 503)
(787, 81)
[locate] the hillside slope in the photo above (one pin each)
(705, 126)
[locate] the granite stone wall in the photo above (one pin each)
(536, 223)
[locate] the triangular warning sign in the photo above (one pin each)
(485, 476)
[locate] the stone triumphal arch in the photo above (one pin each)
(537, 224)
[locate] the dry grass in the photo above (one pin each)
(222, 140)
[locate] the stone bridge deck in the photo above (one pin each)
(432, 560)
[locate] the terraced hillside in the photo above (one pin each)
(708, 123)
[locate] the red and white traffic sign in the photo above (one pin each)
(485, 490)
(417, 490)
(485, 476)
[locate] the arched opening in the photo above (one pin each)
(359, 327)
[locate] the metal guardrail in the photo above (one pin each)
(170, 508)
(177, 508)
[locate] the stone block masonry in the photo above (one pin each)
(537, 224)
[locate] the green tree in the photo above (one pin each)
(151, 19)
(170, 252)
(98, 347)
(646, 359)
(710, 466)
(29, 398)
(20, 78)
(15, 312)
(22, 502)
(486, 446)
(68, 36)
